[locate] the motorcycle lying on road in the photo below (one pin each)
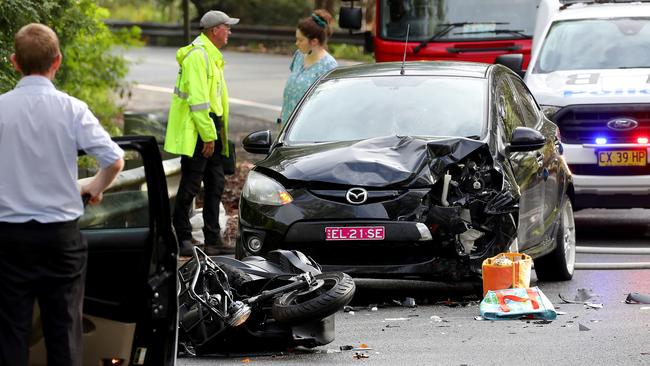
(227, 305)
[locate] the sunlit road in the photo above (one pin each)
(618, 333)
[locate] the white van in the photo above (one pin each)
(590, 72)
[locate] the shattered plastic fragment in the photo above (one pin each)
(589, 305)
(637, 298)
(347, 347)
(583, 296)
(359, 355)
(583, 328)
(478, 318)
(436, 318)
(409, 302)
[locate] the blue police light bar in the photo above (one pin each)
(601, 141)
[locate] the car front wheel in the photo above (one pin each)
(560, 263)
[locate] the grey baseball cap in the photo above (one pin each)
(214, 18)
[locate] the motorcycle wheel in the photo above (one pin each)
(333, 291)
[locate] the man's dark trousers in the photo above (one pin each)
(44, 262)
(194, 170)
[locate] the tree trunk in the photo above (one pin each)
(325, 4)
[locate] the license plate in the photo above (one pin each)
(622, 158)
(355, 233)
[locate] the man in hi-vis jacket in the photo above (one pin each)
(198, 129)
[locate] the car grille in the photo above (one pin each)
(338, 195)
(581, 124)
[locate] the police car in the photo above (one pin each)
(590, 72)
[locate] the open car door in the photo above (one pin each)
(130, 304)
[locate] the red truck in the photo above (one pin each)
(460, 30)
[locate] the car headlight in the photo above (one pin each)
(549, 110)
(264, 190)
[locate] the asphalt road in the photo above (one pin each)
(618, 333)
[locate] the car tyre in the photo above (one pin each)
(559, 264)
(301, 306)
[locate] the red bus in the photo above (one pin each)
(467, 30)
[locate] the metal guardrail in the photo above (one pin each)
(132, 177)
(239, 32)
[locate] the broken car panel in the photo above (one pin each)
(423, 174)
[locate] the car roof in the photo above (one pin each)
(606, 10)
(419, 68)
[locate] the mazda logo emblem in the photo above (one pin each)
(356, 196)
(622, 124)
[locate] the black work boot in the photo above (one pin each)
(218, 248)
(186, 248)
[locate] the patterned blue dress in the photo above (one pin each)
(301, 79)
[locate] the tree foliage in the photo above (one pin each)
(90, 71)
(276, 12)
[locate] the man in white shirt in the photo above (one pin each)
(42, 253)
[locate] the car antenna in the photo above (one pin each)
(406, 43)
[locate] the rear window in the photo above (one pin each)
(368, 107)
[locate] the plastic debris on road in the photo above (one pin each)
(436, 318)
(409, 302)
(637, 298)
(583, 328)
(347, 347)
(584, 296)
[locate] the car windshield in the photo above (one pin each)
(470, 19)
(595, 44)
(368, 107)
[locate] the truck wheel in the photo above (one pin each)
(334, 291)
(559, 264)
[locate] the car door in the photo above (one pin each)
(525, 167)
(130, 306)
(549, 171)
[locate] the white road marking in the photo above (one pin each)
(248, 103)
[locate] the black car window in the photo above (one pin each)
(529, 110)
(507, 109)
(361, 108)
(125, 203)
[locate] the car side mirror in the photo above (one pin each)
(526, 139)
(350, 18)
(513, 61)
(258, 142)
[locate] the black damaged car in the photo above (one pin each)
(416, 170)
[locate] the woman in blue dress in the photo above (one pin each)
(310, 61)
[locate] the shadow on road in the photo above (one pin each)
(612, 224)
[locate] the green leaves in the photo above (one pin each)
(90, 71)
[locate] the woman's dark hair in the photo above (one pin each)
(317, 26)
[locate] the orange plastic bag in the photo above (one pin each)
(506, 270)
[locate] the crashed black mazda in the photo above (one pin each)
(418, 170)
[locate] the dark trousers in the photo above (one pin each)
(44, 262)
(194, 170)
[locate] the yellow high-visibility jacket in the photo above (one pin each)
(200, 89)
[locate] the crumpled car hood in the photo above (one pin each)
(378, 162)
